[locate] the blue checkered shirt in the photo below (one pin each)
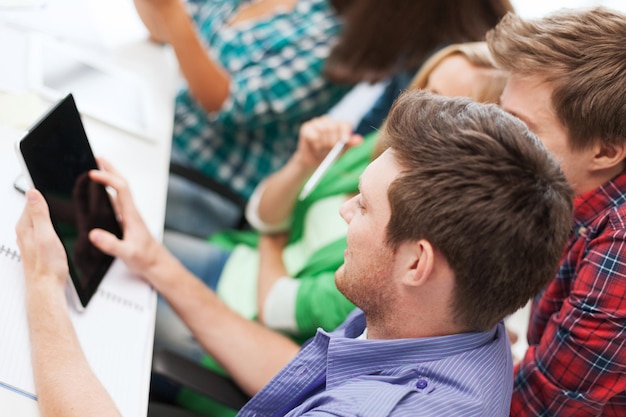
(276, 84)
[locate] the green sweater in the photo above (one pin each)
(318, 302)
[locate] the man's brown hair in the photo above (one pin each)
(482, 189)
(582, 54)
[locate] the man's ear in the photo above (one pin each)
(421, 263)
(608, 156)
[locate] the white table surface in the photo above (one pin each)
(143, 162)
(116, 35)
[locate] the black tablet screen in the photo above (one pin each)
(58, 157)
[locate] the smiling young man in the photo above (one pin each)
(433, 262)
(568, 84)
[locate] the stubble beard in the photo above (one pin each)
(367, 289)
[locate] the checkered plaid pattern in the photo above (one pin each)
(276, 84)
(576, 363)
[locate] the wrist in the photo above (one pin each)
(177, 22)
(156, 255)
(46, 288)
(164, 269)
(301, 166)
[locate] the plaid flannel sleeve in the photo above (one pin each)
(580, 361)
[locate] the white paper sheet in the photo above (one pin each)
(115, 331)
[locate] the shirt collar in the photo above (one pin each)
(349, 357)
(588, 206)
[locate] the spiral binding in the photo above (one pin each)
(14, 255)
(10, 253)
(120, 300)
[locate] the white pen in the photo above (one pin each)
(323, 167)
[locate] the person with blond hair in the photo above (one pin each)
(567, 81)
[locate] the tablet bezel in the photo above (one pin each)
(64, 121)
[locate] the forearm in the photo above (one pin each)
(558, 373)
(250, 353)
(271, 269)
(66, 385)
(317, 138)
(150, 21)
(281, 191)
(208, 81)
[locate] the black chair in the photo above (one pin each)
(196, 177)
(184, 372)
(166, 410)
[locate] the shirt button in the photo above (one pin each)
(421, 384)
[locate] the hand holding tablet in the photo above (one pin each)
(57, 157)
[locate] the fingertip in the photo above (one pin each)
(32, 195)
(95, 236)
(35, 202)
(103, 240)
(101, 161)
(105, 165)
(357, 138)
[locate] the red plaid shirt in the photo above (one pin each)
(576, 362)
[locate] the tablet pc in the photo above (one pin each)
(57, 157)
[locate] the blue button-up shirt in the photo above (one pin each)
(469, 374)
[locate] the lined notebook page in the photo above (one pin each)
(15, 365)
(115, 331)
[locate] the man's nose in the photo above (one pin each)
(347, 210)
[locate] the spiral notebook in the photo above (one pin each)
(115, 331)
(110, 331)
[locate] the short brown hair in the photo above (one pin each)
(482, 189)
(581, 53)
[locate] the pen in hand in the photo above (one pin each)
(323, 167)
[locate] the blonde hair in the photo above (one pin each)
(488, 84)
(581, 54)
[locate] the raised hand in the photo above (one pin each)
(319, 135)
(138, 248)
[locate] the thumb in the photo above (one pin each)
(107, 242)
(39, 212)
